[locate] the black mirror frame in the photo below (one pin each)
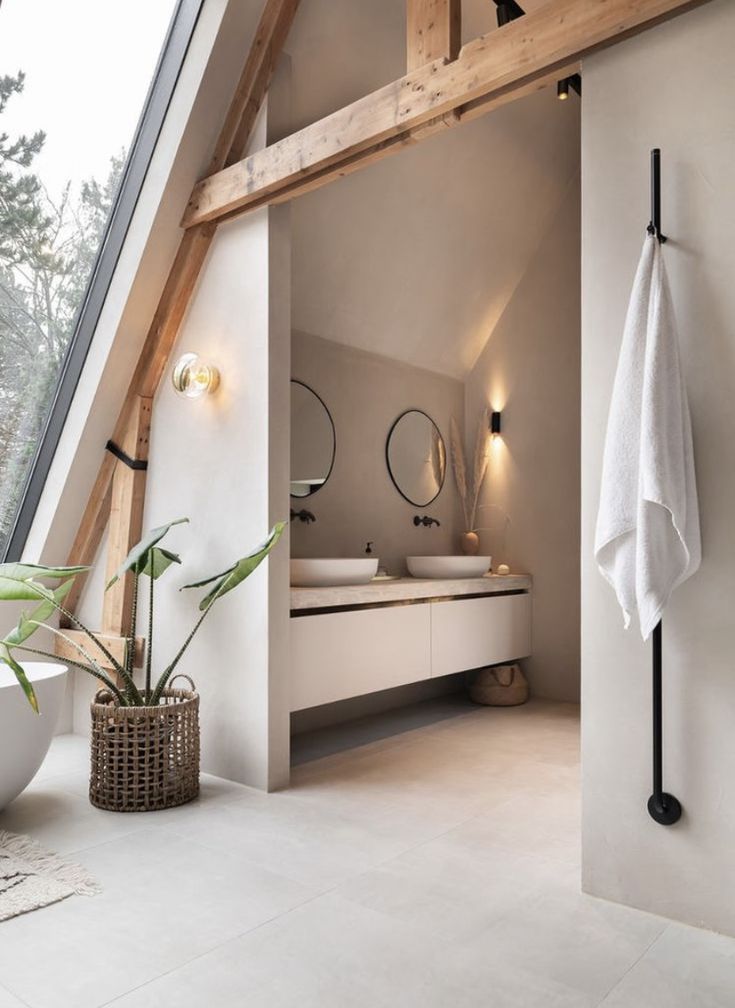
(387, 456)
(297, 381)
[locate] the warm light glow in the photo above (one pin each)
(193, 378)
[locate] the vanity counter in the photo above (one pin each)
(406, 589)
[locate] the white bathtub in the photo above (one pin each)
(24, 735)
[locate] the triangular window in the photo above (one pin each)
(73, 81)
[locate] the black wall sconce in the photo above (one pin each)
(562, 88)
(495, 422)
(508, 10)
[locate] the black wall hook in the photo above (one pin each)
(654, 226)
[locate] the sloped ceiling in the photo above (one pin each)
(417, 256)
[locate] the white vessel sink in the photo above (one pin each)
(326, 573)
(448, 566)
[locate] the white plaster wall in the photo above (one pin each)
(529, 506)
(222, 461)
(365, 394)
(417, 256)
(210, 462)
(672, 87)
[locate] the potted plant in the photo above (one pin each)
(145, 738)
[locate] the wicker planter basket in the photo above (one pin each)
(498, 686)
(145, 758)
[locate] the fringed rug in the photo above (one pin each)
(31, 877)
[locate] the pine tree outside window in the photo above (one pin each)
(73, 81)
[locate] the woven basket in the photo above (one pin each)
(145, 758)
(499, 686)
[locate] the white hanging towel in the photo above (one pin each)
(647, 540)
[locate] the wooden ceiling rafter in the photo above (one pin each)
(544, 45)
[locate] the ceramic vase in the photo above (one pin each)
(470, 543)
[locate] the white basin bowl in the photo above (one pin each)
(24, 735)
(328, 573)
(448, 566)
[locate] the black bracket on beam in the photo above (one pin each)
(140, 464)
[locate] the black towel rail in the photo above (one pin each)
(663, 807)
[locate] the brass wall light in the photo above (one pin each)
(192, 377)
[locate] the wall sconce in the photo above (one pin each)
(192, 378)
(495, 423)
(562, 86)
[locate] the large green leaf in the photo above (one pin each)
(25, 572)
(18, 581)
(6, 656)
(233, 576)
(138, 558)
(19, 591)
(159, 560)
(27, 624)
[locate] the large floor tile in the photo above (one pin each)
(303, 841)
(8, 1000)
(67, 754)
(439, 887)
(165, 900)
(684, 968)
(546, 823)
(570, 938)
(333, 953)
(61, 820)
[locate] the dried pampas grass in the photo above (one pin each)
(458, 465)
(469, 490)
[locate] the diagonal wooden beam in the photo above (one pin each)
(267, 46)
(126, 518)
(270, 35)
(502, 63)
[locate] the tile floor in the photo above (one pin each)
(435, 866)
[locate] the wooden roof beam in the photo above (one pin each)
(540, 46)
(433, 31)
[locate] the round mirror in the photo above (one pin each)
(312, 441)
(417, 458)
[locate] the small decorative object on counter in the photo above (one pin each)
(503, 569)
(498, 686)
(470, 543)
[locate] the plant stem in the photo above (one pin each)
(77, 622)
(44, 593)
(166, 674)
(92, 669)
(130, 653)
(149, 648)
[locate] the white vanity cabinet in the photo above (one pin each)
(470, 632)
(345, 654)
(361, 648)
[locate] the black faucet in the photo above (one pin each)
(425, 521)
(303, 515)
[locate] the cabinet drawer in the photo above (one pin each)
(339, 655)
(469, 633)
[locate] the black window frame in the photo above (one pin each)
(155, 108)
